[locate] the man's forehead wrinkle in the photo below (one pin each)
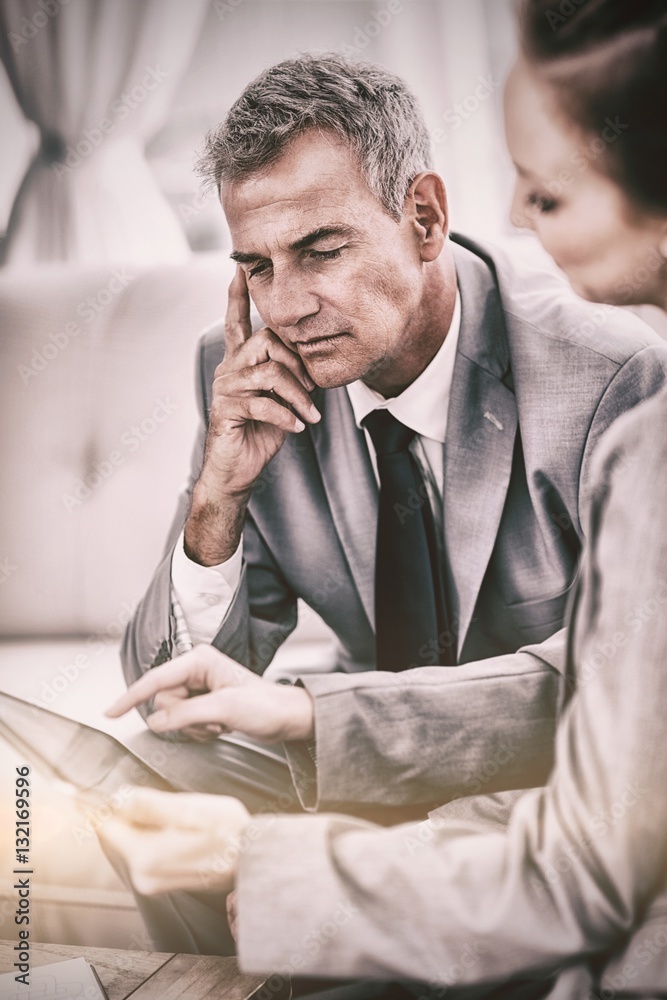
(325, 189)
(322, 206)
(307, 183)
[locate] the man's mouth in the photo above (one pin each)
(315, 344)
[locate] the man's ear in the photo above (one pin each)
(426, 204)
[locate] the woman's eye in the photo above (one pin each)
(541, 203)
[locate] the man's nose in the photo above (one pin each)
(292, 299)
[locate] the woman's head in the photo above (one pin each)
(586, 126)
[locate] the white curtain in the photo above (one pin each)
(97, 77)
(451, 52)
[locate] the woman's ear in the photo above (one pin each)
(426, 203)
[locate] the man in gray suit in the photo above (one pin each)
(360, 284)
(505, 382)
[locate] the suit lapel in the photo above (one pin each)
(481, 430)
(350, 487)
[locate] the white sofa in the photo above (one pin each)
(98, 420)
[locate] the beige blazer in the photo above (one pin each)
(563, 882)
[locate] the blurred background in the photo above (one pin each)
(112, 262)
(161, 72)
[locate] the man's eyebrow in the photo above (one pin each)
(320, 234)
(246, 258)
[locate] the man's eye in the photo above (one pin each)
(325, 254)
(258, 269)
(541, 203)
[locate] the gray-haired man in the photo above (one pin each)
(497, 384)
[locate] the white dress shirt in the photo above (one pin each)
(202, 595)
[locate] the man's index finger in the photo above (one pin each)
(238, 327)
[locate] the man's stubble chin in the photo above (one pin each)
(339, 368)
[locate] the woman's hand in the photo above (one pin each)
(205, 691)
(174, 840)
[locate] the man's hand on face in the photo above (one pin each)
(204, 690)
(170, 841)
(255, 386)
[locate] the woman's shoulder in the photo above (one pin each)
(632, 454)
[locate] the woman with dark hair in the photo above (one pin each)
(586, 120)
(571, 891)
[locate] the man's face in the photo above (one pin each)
(330, 272)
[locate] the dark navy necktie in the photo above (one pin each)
(409, 604)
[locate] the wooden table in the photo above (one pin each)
(146, 975)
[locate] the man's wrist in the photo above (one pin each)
(214, 526)
(201, 548)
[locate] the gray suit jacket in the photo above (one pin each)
(539, 375)
(491, 888)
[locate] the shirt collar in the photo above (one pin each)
(423, 405)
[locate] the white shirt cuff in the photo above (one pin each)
(204, 593)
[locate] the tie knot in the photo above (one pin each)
(388, 434)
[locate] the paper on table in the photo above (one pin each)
(73, 979)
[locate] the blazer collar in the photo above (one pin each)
(481, 431)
